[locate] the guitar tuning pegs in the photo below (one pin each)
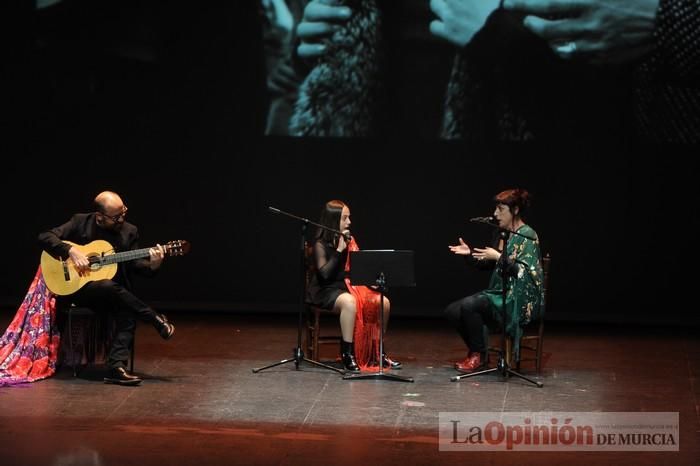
(178, 247)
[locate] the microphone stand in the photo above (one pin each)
(502, 365)
(298, 356)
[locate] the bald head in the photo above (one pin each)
(109, 206)
(108, 202)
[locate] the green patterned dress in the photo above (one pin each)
(525, 291)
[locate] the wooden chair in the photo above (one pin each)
(532, 340)
(315, 315)
(97, 329)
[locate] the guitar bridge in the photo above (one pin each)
(66, 273)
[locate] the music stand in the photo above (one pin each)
(298, 355)
(502, 364)
(381, 268)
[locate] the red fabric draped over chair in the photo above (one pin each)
(29, 347)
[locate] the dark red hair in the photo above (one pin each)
(513, 198)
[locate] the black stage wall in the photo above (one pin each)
(169, 112)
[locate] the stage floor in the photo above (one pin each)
(201, 404)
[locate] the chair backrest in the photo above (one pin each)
(533, 342)
(313, 337)
(309, 264)
(546, 262)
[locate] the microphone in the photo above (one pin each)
(490, 219)
(346, 235)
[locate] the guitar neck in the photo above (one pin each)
(124, 256)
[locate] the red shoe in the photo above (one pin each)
(472, 363)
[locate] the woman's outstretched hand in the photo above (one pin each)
(461, 249)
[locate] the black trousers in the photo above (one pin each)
(111, 297)
(469, 315)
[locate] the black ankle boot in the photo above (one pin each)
(164, 328)
(347, 353)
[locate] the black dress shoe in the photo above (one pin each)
(386, 362)
(165, 328)
(390, 363)
(119, 376)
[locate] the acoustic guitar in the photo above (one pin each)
(62, 277)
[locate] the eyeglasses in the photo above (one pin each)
(116, 218)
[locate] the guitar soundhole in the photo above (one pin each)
(94, 263)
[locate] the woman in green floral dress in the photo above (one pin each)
(524, 287)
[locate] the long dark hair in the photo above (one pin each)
(330, 217)
(513, 198)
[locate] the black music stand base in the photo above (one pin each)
(378, 376)
(381, 375)
(298, 359)
(501, 367)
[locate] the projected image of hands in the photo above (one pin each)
(475, 70)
